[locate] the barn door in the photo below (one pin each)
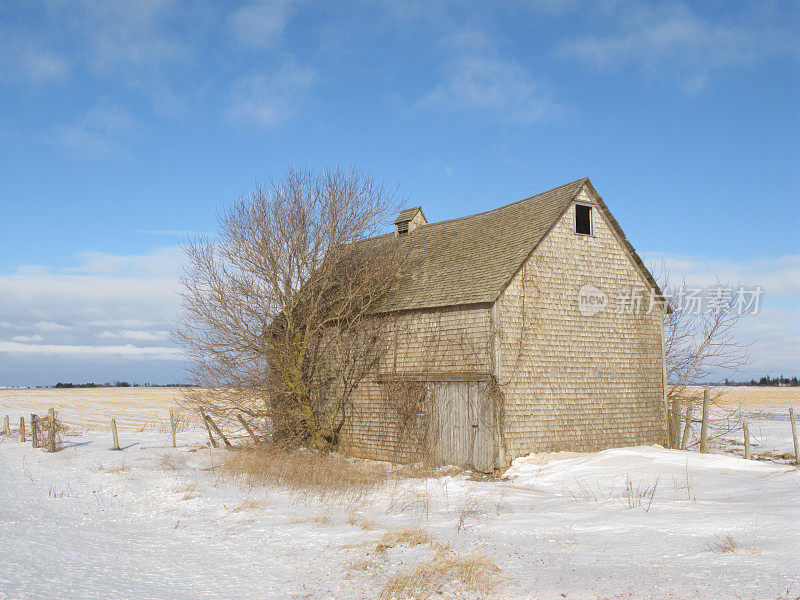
(462, 431)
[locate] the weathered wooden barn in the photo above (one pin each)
(531, 327)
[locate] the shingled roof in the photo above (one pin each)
(470, 260)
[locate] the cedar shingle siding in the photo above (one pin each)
(492, 300)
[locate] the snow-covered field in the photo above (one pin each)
(156, 522)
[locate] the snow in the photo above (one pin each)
(156, 522)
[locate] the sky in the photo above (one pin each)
(125, 126)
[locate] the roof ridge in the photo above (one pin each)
(486, 212)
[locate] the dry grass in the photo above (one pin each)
(318, 520)
(726, 542)
(93, 408)
(470, 511)
(247, 505)
(404, 500)
(189, 492)
(172, 462)
(407, 537)
(752, 397)
(325, 476)
(475, 574)
(119, 469)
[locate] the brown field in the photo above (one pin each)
(753, 397)
(93, 408)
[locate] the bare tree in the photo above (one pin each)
(698, 344)
(276, 318)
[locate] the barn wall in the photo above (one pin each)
(575, 382)
(441, 341)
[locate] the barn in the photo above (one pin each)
(529, 328)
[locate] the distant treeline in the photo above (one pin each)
(767, 381)
(62, 384)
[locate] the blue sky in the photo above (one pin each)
(126, 125)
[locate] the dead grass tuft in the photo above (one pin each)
(471, 511)
(189, 492)
(246, 505)
(726, 542)
(172, 462)
(318, 520)
(475, 573)
(326, 476)
(405, 536)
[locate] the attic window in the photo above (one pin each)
(402, 228)
(583, 219)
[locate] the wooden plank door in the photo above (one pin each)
(462, 431)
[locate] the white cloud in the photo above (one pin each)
(101, 133)
(260, 23)
(773, 333)
(49, 326)
(478, 80)
(27, 338)
(269, 100)
(779, 277)
(25, 57)
(132, 334)
(674, 42)
(106, 306)
(119, 37)
(126, 351)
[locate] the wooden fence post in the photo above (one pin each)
(114, 434)
(34, 437)
(208, 429)
(6, 426)
(51, 432)
(747, 454)
(704, 424)
(675, 422)
(794, 436)
(22, 429)
(247, 427)
(687, 425)
(219, 432)
(172, 425)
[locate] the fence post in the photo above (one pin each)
(34, 437)
(22, 430)
(747, 453)
(6, 427)
(704, 425)
(687, 425)
(208, 429)
(247, 427)
(51, 432)
(219, 432)
(794, 436)
(675, 422)
(172, 425)
(114, 434)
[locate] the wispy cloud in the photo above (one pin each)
(478, 80)
(101, 133)
(674, 42)
(117, 36)
(260, 23)
(270, 99)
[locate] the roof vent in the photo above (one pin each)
(408, 220)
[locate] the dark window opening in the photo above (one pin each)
(583, 219)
